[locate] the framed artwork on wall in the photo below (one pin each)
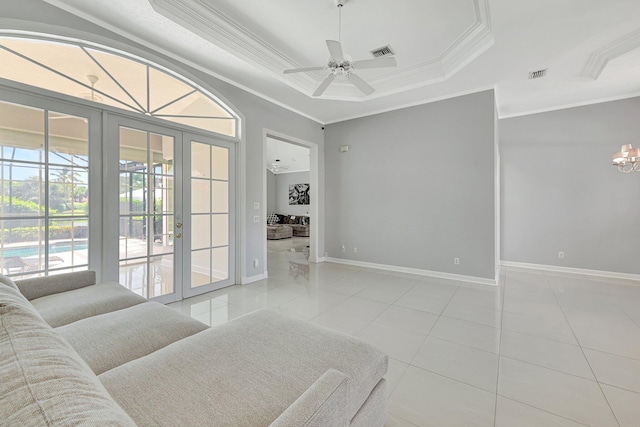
(299, 194)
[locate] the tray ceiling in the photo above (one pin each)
(444, 48)
(276, 36)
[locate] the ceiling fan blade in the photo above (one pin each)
(361, 84)
(376, 63)
(303, 70)
(335, 49)
(324, 85)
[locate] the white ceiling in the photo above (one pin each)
(293, 157)
(444, 48)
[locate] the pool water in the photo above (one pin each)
(33, 250)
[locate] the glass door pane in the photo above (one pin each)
(44, 191)
(211, 226)
(147, 209)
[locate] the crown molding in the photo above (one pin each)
(600, 58)
(203, 19)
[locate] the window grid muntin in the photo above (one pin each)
(44, 221)
(84, 45)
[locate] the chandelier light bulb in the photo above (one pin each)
(627, 160)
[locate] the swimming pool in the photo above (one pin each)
(34, 250)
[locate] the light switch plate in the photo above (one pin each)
(256, 205)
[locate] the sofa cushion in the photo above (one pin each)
(66, 307)
(243, 373)
(37, 287)
(112, 339)
(7, 281)
(374, 409)
(323, 404)
(42, 380)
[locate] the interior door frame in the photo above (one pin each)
(188, 138)
(111, 154)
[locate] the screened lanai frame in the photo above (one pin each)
(225, 123)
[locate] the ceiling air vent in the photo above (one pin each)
(537, 74)
(382, 51)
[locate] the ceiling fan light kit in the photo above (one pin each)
(341, 65)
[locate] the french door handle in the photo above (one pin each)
(179, 235)
(179, 225)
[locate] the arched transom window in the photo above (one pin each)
(112, 78)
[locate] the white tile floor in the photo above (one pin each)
(541, 349)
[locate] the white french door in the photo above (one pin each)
(175, 203)
(145, 208)
(209, 211)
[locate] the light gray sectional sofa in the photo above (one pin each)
(73, 352)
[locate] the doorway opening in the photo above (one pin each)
(291, 204)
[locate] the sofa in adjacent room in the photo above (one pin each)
(73, 352)
(298, 223)
(277, 232)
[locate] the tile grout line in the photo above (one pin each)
(611, 354)
(544, 410)
(393, 304)
(434, 325)
(623, 311)
(401, 376)
(555, 341)
(463, 345)
(452, 379)
(550, 369)
(394, 301)
(383, 311)
(619, 388)
(583, 354)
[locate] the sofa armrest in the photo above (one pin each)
(323, 404)
(42, 286)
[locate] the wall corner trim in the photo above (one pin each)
(584, 271)
(416, 271)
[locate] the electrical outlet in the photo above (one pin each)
(344, 248)
(256, 262)
(560, 254)
(256, 218)
(355, 250)
(456, 261)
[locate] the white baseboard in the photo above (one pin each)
(322, 259)
(252, 279)
(573, 270)
(416, 271)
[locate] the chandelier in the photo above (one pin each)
(627, 159)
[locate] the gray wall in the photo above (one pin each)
(416, 188)
(561, 193)
(283, 180)
(258, 113)
(271, 192)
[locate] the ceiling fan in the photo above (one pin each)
(340, 65)
(277, 167)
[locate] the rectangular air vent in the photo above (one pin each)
(537, 74)
(382, 51)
